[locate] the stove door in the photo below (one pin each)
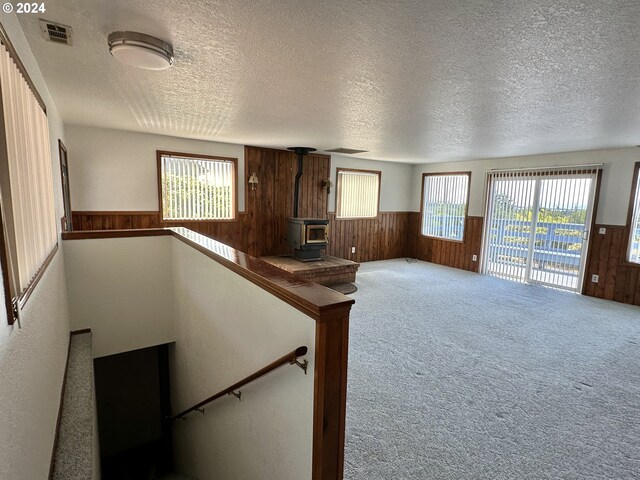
(316, 234)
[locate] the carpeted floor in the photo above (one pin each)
(455, 375)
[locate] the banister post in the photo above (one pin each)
(330, 394)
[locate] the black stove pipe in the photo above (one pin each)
(300, 152)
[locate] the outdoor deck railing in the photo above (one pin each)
(554, 243)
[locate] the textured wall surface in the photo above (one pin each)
(32, 361)
(615, 188)
(395, 177)
(32, 358)
(226, 329)
(116, 170)
(121, 289)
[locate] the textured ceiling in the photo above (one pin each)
(411, 81)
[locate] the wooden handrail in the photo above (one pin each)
(290, 358)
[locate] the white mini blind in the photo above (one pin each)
(33, 230)
(197, 188)
(357, 194)
(444, 205)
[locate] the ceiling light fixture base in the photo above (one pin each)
(140, 50)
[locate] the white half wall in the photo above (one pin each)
(614, 190)
(121, 289)
(116, 169)
(227, 328)
(33, 357)
(395, 194)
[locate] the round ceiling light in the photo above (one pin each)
(140, 50)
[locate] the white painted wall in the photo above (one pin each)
(395, 196)
(32, 358)
(226, 328)
(116, 169)
(121, 289)
(32, 361)
(143, 291)
(614, 191)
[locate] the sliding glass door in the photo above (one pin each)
(537, 226)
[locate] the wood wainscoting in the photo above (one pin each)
(232, 233)
(394, 235)
(619, 280)
(380, 238)
(261, 229)
(445, 252)
(114, 220)
(270, 205)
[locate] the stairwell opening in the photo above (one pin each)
(132, 399)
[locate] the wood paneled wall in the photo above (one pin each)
(444, 252)
(378, 238)
(619, 280)
(261, 229)
(114, 220)
(270, 205)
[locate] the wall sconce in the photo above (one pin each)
(327, 184)
(253, 180)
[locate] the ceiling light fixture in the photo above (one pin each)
(140, 50)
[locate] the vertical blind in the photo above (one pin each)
(29, 169)
(537, 223)
(197, 189)
(444, 205)
(634, 237)
(357, 194)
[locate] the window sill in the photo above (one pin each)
(442, 239)
(26, 293)
(226, 220)
(377, 217)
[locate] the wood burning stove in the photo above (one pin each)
(307, 236)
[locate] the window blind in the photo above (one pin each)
(537, 224)
(634, 236)
(32, 233)
(197, 189)
(444, 205)
(358, 194)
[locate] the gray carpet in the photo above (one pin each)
(454, 375)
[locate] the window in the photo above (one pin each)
(196, 187)
(358, 193)
(444, 204)
(633, 249)
(29, 234)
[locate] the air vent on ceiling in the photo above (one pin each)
(346, 151)
(56, 32)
